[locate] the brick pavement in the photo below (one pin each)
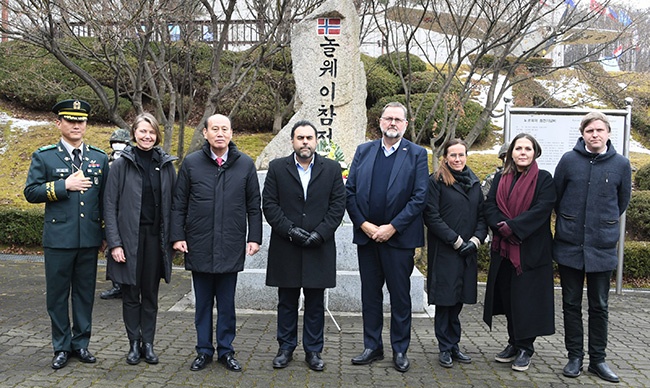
(25, 347)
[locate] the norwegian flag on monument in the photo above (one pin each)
(329, 26)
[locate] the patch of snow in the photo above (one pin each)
(573, 92)
(17, 125)
(20, 125)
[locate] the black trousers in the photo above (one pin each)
(140, 301)
(313, 319)
(572, 281)
(447, 327)
(504, 288)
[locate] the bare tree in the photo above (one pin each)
(478, 43)
(273, 23)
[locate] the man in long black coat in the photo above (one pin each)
(304, 202)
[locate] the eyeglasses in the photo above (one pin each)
(395, 119)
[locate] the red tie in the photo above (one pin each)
(219, 160)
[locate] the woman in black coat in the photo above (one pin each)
(137, 210)
(455, 230)
(520, 279)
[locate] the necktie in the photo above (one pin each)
(219, 160)
(76, 160)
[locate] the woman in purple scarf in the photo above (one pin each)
(520, 279)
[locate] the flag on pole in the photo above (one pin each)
(618, 51)
(609, 11)
(597, 7)
(624, 18)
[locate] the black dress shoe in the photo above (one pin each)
(60, 359)
(282, 359)
(84, 356)
(230, 362)
(459, 356)
(314, 361)
(522, 361)
(133, 358)
(506, 355)
(149, 356)
(401, 362)
(200, 361)
(603, 371)
(444, 359)
(368, 356)
(113, 293)
(573, 367)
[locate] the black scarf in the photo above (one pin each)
(463, 178)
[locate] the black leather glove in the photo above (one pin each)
(467, 249)
(298, 235)
(314, 240)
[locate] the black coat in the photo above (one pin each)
(532, 291)
(284, 205)
(122, 205)
(452, 212)
(212, 209)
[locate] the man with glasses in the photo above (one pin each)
(69, 177)
(386, 194)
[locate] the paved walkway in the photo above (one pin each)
(25, 347)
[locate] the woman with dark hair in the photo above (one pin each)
(137, 211)
(455, 230)
(520, 279)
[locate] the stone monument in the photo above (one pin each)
(330, 80)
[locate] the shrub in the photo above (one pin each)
(379, 81)
(400, 63)
(32, 77)
(420, 81)
(636, 259)
(638, 216)
(21, 227)
(642, 178)
(98, 112)
(255, 112)
(535, 65)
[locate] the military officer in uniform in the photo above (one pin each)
(69, 178)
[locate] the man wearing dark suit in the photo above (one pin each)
(304, 202)
(386, 195)
(69, 178)
(216, 202)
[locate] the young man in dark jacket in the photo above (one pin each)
(593, 185)
(217, 195)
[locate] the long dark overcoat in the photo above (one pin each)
(531, 291)
(284, 205)
(452, 212)
(122, 205)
